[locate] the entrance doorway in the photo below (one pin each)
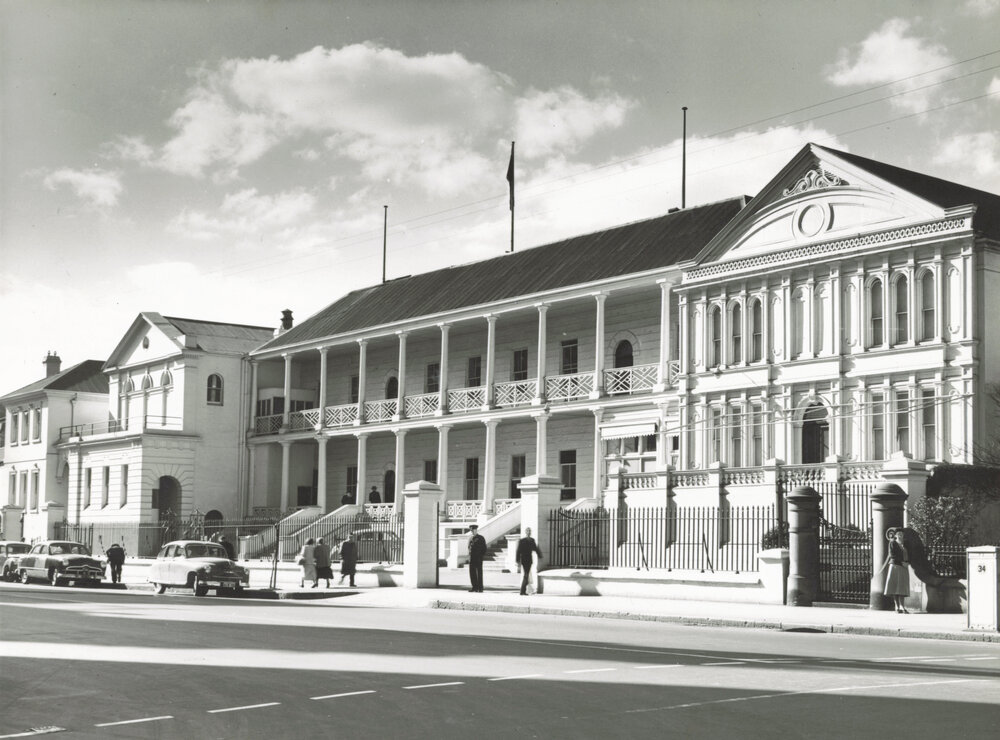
(815, 434)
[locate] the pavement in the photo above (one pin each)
(377, 587)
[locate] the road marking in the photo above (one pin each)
(338, 696)
(939, 660)
(905, 657)
(513, 678)
(661, 665)
(738, 662)
(36, 731)
(249, 706)
(135, 721)
(991, 657)
(592, 670)
(435, 685)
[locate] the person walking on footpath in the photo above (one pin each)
(307, 559)
(374, 497)
(477, 551)
(322, 556)
(348, 560)
(897, 580)
(228, 546)
(527, 548)
(116, 559)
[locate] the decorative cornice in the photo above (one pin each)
(814, 179)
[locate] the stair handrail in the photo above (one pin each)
(263, 542)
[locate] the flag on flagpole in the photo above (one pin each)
(510, 175)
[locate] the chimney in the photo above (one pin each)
(286, 320)
(52, 364)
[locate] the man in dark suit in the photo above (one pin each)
(526, 549)
(477, 551)
(348, 559)
(116, 559)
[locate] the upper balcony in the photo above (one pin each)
(137, 425)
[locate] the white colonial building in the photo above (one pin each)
(836, 320)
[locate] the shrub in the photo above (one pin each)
(945, 518)
(775, 537)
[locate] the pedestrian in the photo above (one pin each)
(527, 548)
(374, 497)
(322, 557)
(347, 499)
(116, 559)
(307, 559)
(897, 580)
(477, 551)
(228, 547)
(348, 559)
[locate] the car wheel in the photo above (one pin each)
(53, 576)
(199, 588)
(159, 588)
(25, 578)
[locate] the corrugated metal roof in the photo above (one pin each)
(622, 250)
(84, 377)
(212, 336)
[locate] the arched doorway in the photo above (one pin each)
(815, 434)
(167, 497)
(392, 388)
(623, 354)
(213, 523)
(389, 486)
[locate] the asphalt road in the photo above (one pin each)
(134, 665)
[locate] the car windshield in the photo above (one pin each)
(18, 547)
(68, 548)
(204, 551)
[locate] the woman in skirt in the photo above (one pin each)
(897, 580)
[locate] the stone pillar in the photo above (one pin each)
(909, 474)
(420, 534)
(400, 469)
(539, 398)
(599, 348)
(443, 373)
(490, 474)
(541, 450)
(321, 472)
(888, 501)
(401, 378)
(322, 388)
(287, 391)
(359, 497)
(491, 351)
(362, 371)
(286, 453)
(803, 546)
(539, 498)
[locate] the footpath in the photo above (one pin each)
(377, 588)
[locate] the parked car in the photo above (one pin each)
(378, 546)
(59, 560)
(9, 550)
(197, 565)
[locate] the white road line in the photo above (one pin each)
(514, 678)
(435, 685)
(660, 665)
(135, 721)
(249, 706)
(905, 657)
(738, 662)
(992, 657)
(939, 660)
(338, 696)
(592, 670)
(36, 731)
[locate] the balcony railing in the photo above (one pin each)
(464, 510)
(340, 416)
(384, 410)
(267, 424)
(424, 404)
(467, 399)
(306, 419)
(569, 387)
(628, 380)
(113, 426)
(516, 393)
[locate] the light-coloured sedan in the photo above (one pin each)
(196, 565)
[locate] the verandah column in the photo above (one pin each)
(491, 349)
(401, 380)
(287, 390)
(362, 488)
(253, 394)
(400, 469)
(322, 388)
(442, 464)
(663, 369)
(541, 463)
(598, 454)
(443, 373)
(539, 398)
(286, 450)
(599, 347)
(490, 474)
(321, 472)
(362, 372)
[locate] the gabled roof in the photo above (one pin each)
(85, 377)
(213, 336)
(623, 250)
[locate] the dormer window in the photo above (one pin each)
(215, 389)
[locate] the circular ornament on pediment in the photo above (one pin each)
(812, 219)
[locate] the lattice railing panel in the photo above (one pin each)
(424, 404)
(636, 379)
(467, 399)
(267, 424)
(516, 393)
(569, 387)
(341, 416)
(464, 510)
(384, 410)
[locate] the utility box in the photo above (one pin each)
(984, 588)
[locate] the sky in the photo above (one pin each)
(227, 160)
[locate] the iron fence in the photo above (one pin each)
(707, 539)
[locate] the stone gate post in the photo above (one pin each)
(539, 498)
(803, 546)
(420, 534)
(888, 510)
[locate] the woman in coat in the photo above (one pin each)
(307, 559)
(897, 580)
(348, 560)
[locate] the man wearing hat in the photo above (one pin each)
(477, 551)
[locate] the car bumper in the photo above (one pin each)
(225, 583)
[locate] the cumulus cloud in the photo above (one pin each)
(980, 150)
(889, 54)
(98, 188)
(246, 213)
(981, 8)
(994, 87)
(560, 120)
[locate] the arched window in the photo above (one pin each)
(815, 434)
(715, 336)
(875, 323)
(392, 388)
(129, 385)
(800, 329)
(928, 330)
(166, 379)
(147, 382)
(736, 334)
(215, 389)
(902, 314)
(756, 331)
(623, 354)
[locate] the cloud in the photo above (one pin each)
(560, 120)
(981, 8)
(246, 213)
(980, 150)
(889, 54)
(99, 188)
(994, 87)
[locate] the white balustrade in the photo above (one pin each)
(673, 370)
(515, 393)
(267, 424)
(641, 481)
(635, 379)
(307, 419)
(424, 404)
(500, 505)
(743, 476)
(341, 416)
(464, 510)
(380, 511)
(383, 410)
(569, 387)
(801, 475)
(689, 479)
(467, 399)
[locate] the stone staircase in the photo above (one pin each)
(495, 560)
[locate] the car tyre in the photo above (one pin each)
(25, 578)
(159, 588)
(53, 576)
(199, 588)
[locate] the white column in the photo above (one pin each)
(362, 372)
(786, 307)
(251, 481)
(685, 328)
(442, 471)
(599, 347)
(912, 305)
(288, 390)
(443, 374)
(540, 374)
(400, 469)
(401, 380)
(541, 450)
(362, 469)
(491, 350)
(253, 394)
(809, 318)
(836, 299)
(490, 474)
(746, 341)
(286, 453)
(322, 387)
(939, 307)
(662, 371)
(887, 318)
(598, 455)
(321, 472)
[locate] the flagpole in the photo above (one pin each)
(510, 179)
